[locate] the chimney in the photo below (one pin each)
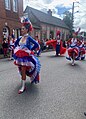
(49, 12)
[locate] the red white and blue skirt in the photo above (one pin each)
(82, 49)
(72, 49)
(25, 57)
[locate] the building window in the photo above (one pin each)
(7, 4)
(15, 5)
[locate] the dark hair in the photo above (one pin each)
(27, 26)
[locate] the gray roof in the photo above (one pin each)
(46, 18)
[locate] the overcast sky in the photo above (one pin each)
(54, 5)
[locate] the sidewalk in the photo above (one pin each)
(2, 56)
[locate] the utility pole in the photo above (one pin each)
(72, 15)
(72, 28)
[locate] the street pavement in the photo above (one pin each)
(61, 93)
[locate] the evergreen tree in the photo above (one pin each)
(67, 18)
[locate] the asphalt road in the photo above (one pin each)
(61, 93)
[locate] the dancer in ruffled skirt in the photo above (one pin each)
(73, 48)
(57, 44)
(28, 64)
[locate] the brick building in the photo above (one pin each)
(10, 11)
(45, 25)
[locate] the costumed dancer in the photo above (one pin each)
(28, 64)
(82, 48)
(73, 49)
(57, 44)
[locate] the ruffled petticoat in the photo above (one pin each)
(72, 49)
(25, 57)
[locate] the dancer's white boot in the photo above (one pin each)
(73, 63)
(22, 89)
